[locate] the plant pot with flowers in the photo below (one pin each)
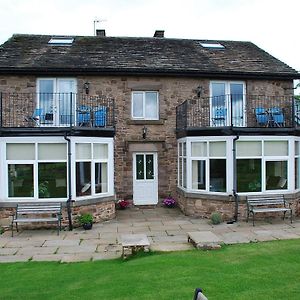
(122, 204)
(86, 221)
(169, 202)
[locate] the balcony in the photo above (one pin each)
(238, 112)
(64, 110)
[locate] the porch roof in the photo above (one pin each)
(145, 56)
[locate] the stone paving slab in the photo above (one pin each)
(76, 258)
(237, 238)
(47, 257)
(21, 242)
(29, 250)
(263, 235)
(104, 256)
(60, 243)
(9, 251)
(204, 237)
(166, 247)
(14, 258)
(284, 235)
(77, 249)
(170, 239)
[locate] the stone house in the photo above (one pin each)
(88, 120)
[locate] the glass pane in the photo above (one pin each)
(20, 151)
(66, 99)
(276, 175)
(217, 149)
(20, 181)
(217, 169)
(100, 151)
(237, 103)
(199, 149)
(248, 149)
(151, 109)
(184, 173)
(83, 151)
(140, 167)
(100, 178)
(52, 180)
(137, 105)
(249, 175)
(83, 178)
(184, 149)
(198, 175)
(46, 97)
(296, 148)
(149, 167)
(180, 149)
(52, 151)
(276, 148)
(180, 172)
(297, 173)
(218, 102)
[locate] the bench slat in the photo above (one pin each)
(27, 220)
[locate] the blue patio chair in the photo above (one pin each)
(100, 116)
(261, 116)
(37, 117)
(277, 115)
(84, 116)
(219, 118)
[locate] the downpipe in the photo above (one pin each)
(69, 201)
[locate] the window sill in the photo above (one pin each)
(145, 122)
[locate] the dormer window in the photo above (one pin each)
(61, 41)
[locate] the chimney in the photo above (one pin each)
(100, 32)
(159, 33)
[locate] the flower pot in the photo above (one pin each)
(87, 226)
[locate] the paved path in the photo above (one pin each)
(165, 228)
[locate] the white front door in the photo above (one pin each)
(145, 183)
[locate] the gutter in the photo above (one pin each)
(69, 201)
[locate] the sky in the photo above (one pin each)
(273, 25)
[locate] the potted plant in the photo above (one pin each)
(86, 221)
(122, 204)
(169, 201)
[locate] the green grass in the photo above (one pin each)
(251, 271)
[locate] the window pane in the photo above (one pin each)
(83, 178)
(180, 172)
(100, 151)
(52, 180)
(198, 175)
(276, 148)
(20, 181)
(276, 175)
(52, 151)
(140, 167)
(46, 90)
(83, 151)
(184, 172)
(137, 105)
(297, 173)
(249, 175)
(149, 167)
(184, 149)
(100, 178)
(20, 151)
(296, 148)
(217, 169)
(199, 149)
(151, 109)
(217, 149)
(248, 149)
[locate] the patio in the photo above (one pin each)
(166, 230)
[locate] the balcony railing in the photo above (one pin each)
(56, 110)
(238, 111)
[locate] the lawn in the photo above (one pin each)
(268, 270)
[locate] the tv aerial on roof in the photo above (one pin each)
(97, 20)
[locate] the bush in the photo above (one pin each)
(85, 219)
(1, 230)
(216, 218)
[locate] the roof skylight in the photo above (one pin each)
(61, 41)
(212, 45)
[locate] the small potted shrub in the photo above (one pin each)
(86, 221)
(122, 204)
(216, 218)
(169, 202)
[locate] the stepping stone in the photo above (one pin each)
(133, 243)
(204, 240)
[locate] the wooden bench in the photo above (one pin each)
(263, 204)
(37, 212)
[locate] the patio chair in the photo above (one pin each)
(219, 118)
(37, 117)
(84, 116)
(100, 116)
(261, 116)
(277, 115)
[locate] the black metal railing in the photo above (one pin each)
(56, 110)
(238, 111)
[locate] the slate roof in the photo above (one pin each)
(31, 54)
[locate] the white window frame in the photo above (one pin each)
(144, 105)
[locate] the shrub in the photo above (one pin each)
(216, 218)
(85, 219)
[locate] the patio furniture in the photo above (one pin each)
(49, 212)
(264, 204)
(37, 117)
(277, 117)
(133, 243)
(261, 116)
(100, 116)
(219, 118)
(84, 116)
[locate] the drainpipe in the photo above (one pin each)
(234, 190)
(69, 201)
